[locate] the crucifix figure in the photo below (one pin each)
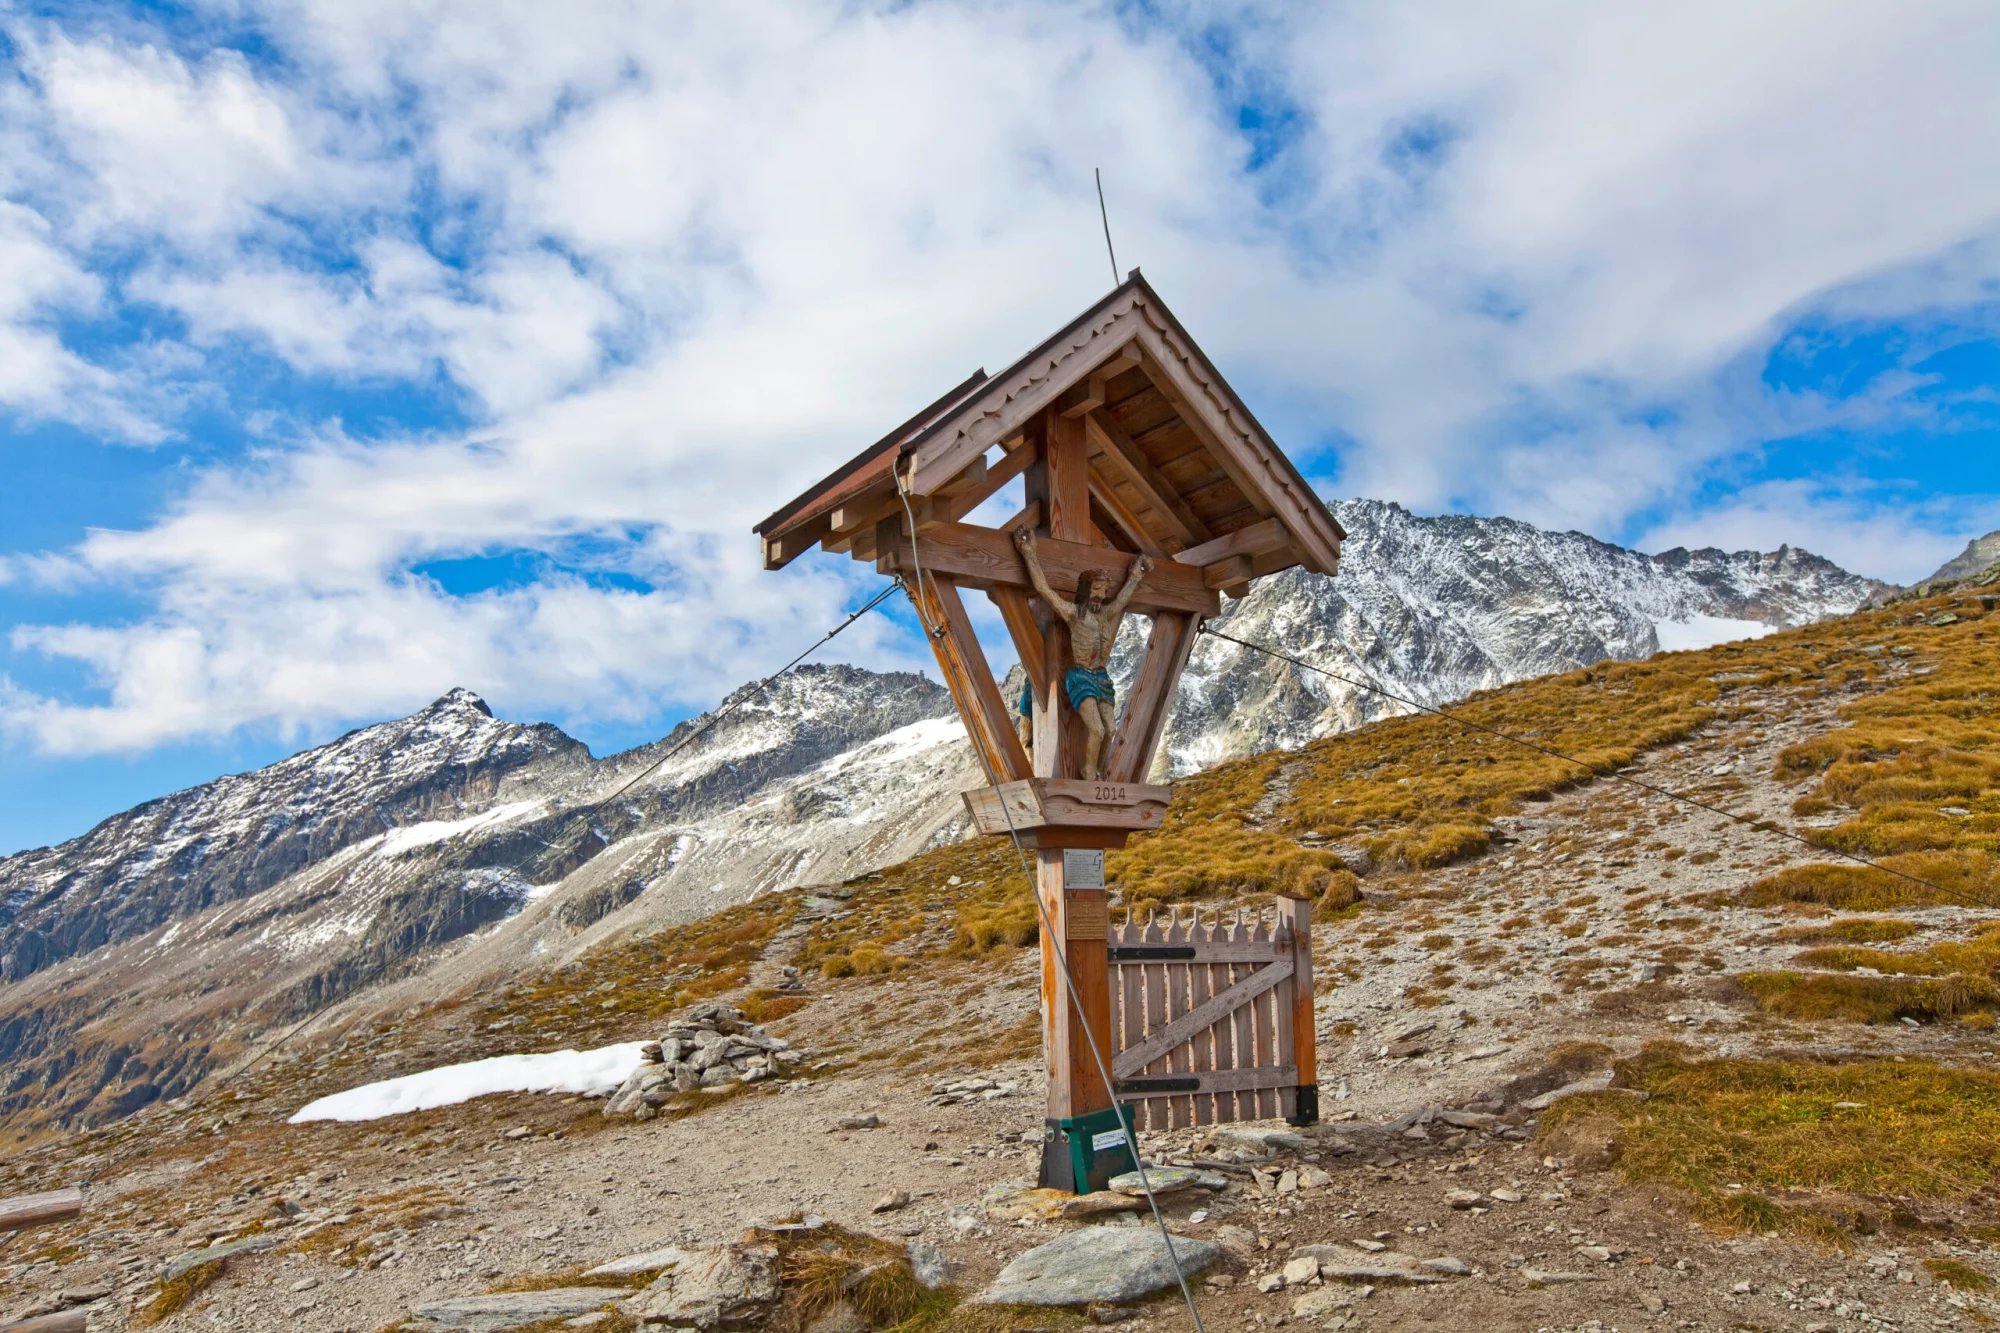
(1093, 629)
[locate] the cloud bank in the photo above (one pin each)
(521, 315)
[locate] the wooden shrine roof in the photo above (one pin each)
(1179, 466)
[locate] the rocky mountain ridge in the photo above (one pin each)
(416, 854)
(1436, 608)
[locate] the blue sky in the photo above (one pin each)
(350, 352)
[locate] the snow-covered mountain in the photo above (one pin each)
(154, 947)
(1436, 608)
(450, 845)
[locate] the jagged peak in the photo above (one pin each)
(457, 699)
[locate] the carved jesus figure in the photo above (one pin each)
(1093, 629)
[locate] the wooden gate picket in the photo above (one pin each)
(1211, 1020)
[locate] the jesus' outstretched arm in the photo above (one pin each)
(1061, 606)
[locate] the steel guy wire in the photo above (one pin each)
(1762, 825)
(1061, 954)
(599, 804)
(742, 697)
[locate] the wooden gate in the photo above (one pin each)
(1212, 1020)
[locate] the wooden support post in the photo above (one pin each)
(1085, 1143)
(963, 664)
(1020, 618)
(1067, 459)
(1167, 650)
(1302, 1106)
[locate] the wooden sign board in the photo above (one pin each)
(1037, 803)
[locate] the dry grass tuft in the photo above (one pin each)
(1959, 1274)
(1854, 999)
(830, 1267)
(174, 1296)
(1796, 1130)
(1852, 930)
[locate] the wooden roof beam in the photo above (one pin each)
(1158, 493)
(986, 558)
(1256, 539)
(1123, 518)
(1266, 487)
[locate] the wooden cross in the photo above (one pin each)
(1125, 441)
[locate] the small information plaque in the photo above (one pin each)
(1083, 868)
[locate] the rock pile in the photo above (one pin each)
(712, 1047)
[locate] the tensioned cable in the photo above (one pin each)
(730, 707)
(626, 786)
(1049, 934)
(1761, 825)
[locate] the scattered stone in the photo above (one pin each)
(1536, 1277)
(1470, 1119)
(1600, 1253)
(1301, 1270)
(1271, 1282)
(1597, 1082)
(1288, 1183)
(1372, 1246)
(1651, 1304)
(1165, 1180)
(869, 1121)
(303, 1284)
(1097, 1203)
(512, 1309)
(1313, 1178)
(1252, 1139)
(1505, 1195)
(891, 1201)
(85, 1295)
(631, 1265)
(591, 1320)
(1097, 1264)
(971, 1090)
(1743, 1289)
(929, 1265)
(1237, 1241)
(518, 1132)
(1463, 1199)
(209, 1254)
(1319, 1304)
(1340, 1264)
(1449, 1266)
(731, 1284)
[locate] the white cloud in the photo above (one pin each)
(680, 258)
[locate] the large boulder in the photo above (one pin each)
(1107, 1264)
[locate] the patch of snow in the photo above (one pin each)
(1700, 631)
(554, 1071)
(438, 830)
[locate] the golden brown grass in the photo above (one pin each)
(831, 1266)
(1852, 930)
(1870, 1130)
(1855, 999)
(1959, 1274)
(172, 1297)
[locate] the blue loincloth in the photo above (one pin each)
(1082, 683)
(1027, 704)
